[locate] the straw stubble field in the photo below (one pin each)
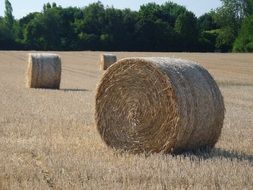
(48, 138)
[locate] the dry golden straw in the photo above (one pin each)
(158, 105)
(44, 71)
(106, 60)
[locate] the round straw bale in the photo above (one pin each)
(44, 71)
(158, 105)
(106, 60)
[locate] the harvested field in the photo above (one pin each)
(48, 138)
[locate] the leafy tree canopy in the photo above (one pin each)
(166, 27)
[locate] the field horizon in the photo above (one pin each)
(48, 138)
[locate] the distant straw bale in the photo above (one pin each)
(44, 71)
(158, 105)
(106, 60)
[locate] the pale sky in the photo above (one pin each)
(23, 7)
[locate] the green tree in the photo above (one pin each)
(7, 39)
(248, 9)
(9, 19)
(244, 42)
(207, 41)
(166, 27)
(186, 27)
(170, 11)
(225, 39)
(68, 36)
(44, 31)
(46, 7)
(230, 17)
(9, 29)
(4, 35)
(155, 27)
(207, 22)
(94, 15)
(208, 32)
(90, 27)
(129, 22)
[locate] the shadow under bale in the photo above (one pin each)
(208, 153)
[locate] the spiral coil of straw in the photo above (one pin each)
(158, 105)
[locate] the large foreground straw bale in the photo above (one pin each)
(44, 71)
(158, 105)
(106, 60)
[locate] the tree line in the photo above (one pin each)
(166, 27)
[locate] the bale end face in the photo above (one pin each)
(106, 60)
(43, 71)
(158, 105)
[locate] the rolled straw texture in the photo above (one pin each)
(44, 71)
(106, 60)
(158, 105)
